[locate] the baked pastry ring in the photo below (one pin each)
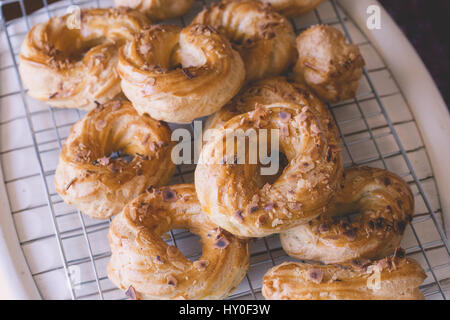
(143, 263)
(385, 205)
(177, 75)
(72, 68)
(328, 64)
(264, 38)
(158, 9)
(239, 199)
(293, 8)
(396, 278)
(111, 156)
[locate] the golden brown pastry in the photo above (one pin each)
(383, 205)
(111, 156)
(158, 9)
(264, 38)
(177, 75)
(237, 195)
(266, 92)
(396, 278)
(72, 67)
(328, 64)
(148, 268)
(293, 8)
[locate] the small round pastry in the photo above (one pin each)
(158, 9)
(242, 196)
(396, 278)
(293, 8)
(148, 268)
(384, 205)
(111, 156)
(177, 75)
(70, 65)
(328, 64)
(264, 38)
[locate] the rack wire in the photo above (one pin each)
(372, 128)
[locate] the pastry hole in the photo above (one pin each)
(189, 244)
(282, 164)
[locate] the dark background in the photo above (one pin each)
(425, 23)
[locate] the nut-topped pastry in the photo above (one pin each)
(72, 66)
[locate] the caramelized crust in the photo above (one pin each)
(110, 157)
(293, 8)
(383, 204)
(177, 75)
(264, 38)
(72, 68)
(235, 194)
(268, 91)
(158, 9)
(328, 64)
(145, 265)
(399, 279)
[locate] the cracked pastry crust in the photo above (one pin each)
(111, 156)
(72, 68)
(264, 38)
(177, 75)
(328, 64)
(158, 9)
(399, 279)
(384, 205)
(235, 194)
(148, 268)
(293, 8)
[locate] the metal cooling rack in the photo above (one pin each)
(67, 252)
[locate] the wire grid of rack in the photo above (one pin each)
(67, 252)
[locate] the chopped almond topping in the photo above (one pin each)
(222, 243)
(285, 116)
(253, 208)
(306, 166)
(169, 195)
(131, 293)
(117, 105)
(103, 161)
(315, 275)
(201, 265)
(172, 281)
(239, 215)
(100, 125)
(171, 251)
